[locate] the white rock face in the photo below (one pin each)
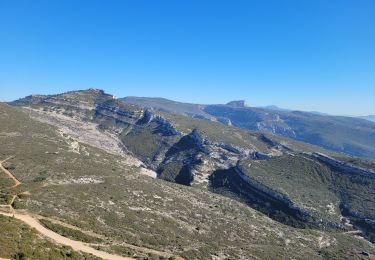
(84, 132)
(168, 126)
(76, 131)
(147, 172)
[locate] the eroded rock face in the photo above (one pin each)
(90, 117)
(203, 157)
(150, 117)
(114, 112)
(81, 131)
(270, 192)
(345, 166)
(235, 183)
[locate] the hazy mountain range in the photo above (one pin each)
(273, 107)
(342, 134)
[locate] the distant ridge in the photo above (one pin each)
(276, 108)
(349, 135)
(369, 118)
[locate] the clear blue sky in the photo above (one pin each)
(302, 54)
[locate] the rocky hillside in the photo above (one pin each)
(293, 183)
(348, 135)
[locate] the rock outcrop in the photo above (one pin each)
(344, 166)
(149, 117)
(115, 112)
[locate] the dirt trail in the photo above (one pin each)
(91, 233)
(16, 181)
(29, 220)
(76, 245)
(148, 250)
(56, 221)
(12, 201)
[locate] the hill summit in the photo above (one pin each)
(237, 103)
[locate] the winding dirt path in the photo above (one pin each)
(16, 181)
(32, 222)
(93, 234)
(76, 245)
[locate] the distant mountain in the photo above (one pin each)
(319, 113)
(166, 105)
(237, 103)
(369, 118)
(276, 108)
(338, 133)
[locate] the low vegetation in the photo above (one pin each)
(70, 232)
(18, 241)
(93, 190)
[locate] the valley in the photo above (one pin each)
(146, 184)
(187, 130)
(352, 136)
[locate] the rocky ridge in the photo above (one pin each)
(191, 157)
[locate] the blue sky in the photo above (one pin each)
(308, 55)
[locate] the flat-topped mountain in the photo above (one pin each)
(237, 103)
